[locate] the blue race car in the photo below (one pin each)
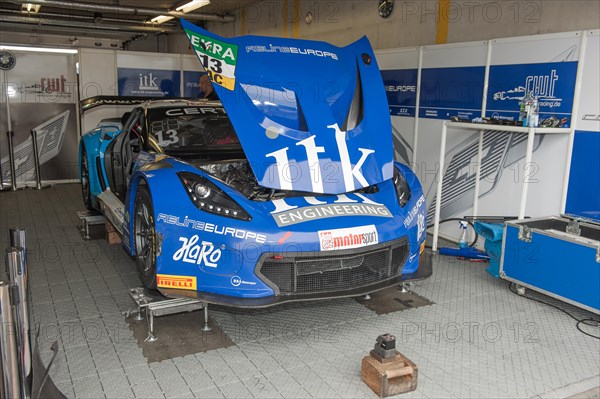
(285, 189)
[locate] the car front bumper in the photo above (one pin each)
(424, 271)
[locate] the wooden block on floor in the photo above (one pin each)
(388, 377)
(112, 235)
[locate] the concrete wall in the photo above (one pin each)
(412, 22)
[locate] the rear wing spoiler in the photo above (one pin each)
(98, 101)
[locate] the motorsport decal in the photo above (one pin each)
(203, 253)
(211, 228)
(414, 211)
(352, 237)
(291, 50)
(287, 215)
(176, 282)
(217, 57)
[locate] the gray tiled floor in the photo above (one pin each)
(477, 340)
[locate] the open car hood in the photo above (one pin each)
(310, 116)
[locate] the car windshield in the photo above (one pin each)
(192, 129)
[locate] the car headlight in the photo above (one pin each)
(402, 189)
(210, 198)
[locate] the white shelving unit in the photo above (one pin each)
(531, 132)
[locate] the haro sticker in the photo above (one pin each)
(190, 252)
(217, 57)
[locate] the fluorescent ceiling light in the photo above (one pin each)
(161, 19)
(187, 7)
(29, 8)
(40, 49)
(192, 5)
(11, 90)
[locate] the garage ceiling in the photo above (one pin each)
(113, 18)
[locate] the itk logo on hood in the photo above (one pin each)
(349, 173)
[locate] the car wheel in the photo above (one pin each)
(85, 180)
(145, 238)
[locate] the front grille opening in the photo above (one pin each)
(322, 273)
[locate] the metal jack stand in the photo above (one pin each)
(88, 219)
(405, 287)
(206, 327)
(156, 305)
(36, 162)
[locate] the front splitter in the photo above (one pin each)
(424, 271)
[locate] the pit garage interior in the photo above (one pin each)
(494, 108)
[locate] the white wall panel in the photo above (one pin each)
(500, 190)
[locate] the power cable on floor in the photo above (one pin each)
(596, 323)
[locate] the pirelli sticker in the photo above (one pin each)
(217, 57)
(176, 282)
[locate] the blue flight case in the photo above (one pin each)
(558, 256)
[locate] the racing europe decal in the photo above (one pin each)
(200, 254)
(414, 211)
(211, 228)
(348, 238)
(218, 58)
(420, 225)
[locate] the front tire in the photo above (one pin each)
(85, 180)
(145, 237)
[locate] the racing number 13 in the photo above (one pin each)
(215, 64)
(171, 139)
